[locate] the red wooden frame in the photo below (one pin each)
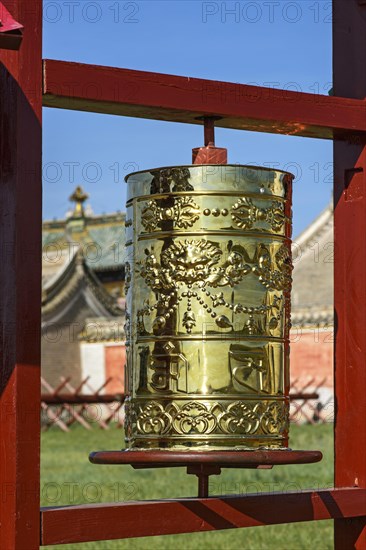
(141, 519)
(20, 287)
(349, 79)
(157, 96)
(164, 97)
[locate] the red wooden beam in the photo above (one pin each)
(349, 78)
(180, 99)
(73, 524)
(20, 280)
(10, 30)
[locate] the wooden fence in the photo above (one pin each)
(66, 404)
(311, 401)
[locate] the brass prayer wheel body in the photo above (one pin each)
(208, 282)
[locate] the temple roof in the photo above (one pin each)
(312, 291)
(101, 238)
(83, 264)
(76, 279)
(100, 329)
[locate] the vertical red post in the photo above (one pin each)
(20, 280)
(349, 80)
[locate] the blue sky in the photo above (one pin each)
(275, 43)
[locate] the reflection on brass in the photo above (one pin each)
(208, 282)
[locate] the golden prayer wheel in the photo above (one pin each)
(208, 284)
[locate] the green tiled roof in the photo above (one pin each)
(110, 242)
(107, 232)
(49, 237)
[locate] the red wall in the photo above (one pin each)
(115, 357)
(311, 355)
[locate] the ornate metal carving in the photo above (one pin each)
(246, 214)
(208, 333)
(184, 213)
(190, 264)
(181, 418)
(195, 263)
(170, 180)
(170, 371)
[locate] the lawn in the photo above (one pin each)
(68, 478)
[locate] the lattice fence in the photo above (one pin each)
(312, 401)
(65, 404)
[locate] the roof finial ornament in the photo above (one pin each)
(78, 197)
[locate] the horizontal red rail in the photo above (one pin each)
(73, 524)
(158, 96)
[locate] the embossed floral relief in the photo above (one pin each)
(188, 268)
(198, 418)
(184, 212)
(197, 263)
(246, 214)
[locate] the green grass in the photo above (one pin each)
(68, 478)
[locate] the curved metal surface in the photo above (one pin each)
(208, 298)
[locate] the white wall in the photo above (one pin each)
(92, 364)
